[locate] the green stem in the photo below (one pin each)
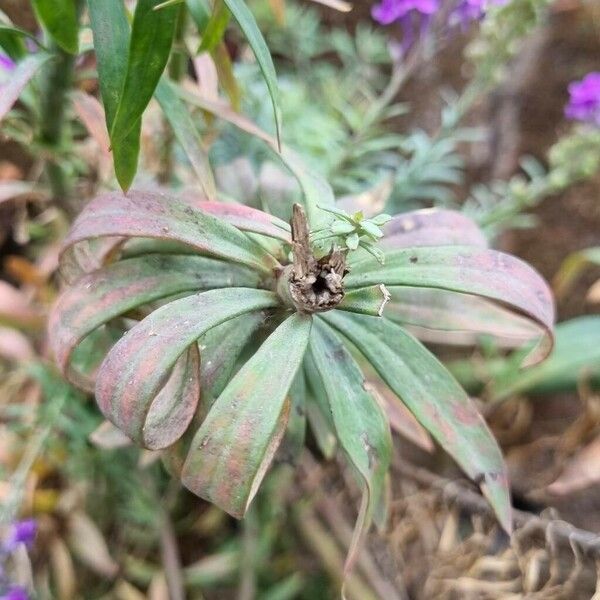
(56, 80)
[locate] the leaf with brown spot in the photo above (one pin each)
(130, 379)
(360, 424)
(238, 439)
(435, 398)
(489, 274)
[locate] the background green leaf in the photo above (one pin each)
(59, 18)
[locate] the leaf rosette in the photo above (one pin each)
(224, 332)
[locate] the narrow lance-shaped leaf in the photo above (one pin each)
(436, 400)
(235, 445)
(132, 374)
(118, 288)
(19, 78)
(59, 18)
(467, 269)
(152, 34)
(187, 135)
(444, 317)
(156, 215)
(360, 424)
(315, 188)
(241, 13)
(215, 28)
(110, 29)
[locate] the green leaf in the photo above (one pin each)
(366, 301)
(120, 287)
(159, 216)
(467, 269)
(59, 18)
(241, 13)
(575, 358)
(11, 41)
(200, 13)
(360, 424)
(19, 78)
(129, 382)
(215, 28)
(317, 192)
(236, 443)
(187, 135)
(149, 48)
(435, 398)
(110, 29)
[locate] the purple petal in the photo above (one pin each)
(22, 532)
(16, 592)
(6, 63)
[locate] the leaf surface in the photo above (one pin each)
(156, 215)
(118, 288)
(238, 439)
(471, 270)
(135, 370)
(360, 425)
(436, 400)
(59, 18)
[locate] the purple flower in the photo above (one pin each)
(467, 11)
(388, 11)
(21, 532)
(6, 63)
(584, 103)
(15, 592)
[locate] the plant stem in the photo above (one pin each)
(57, 77)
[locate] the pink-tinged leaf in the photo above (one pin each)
(401, 419)
(135, 370)
(366, 301)
(235, 445)
(91, 113)
(361, 426)
(88, 256)
(436, 400)
(19, 78)
(470, 270)
(156, 215)
(244, 218)
(431, 227)
(207, 76)
(443, 317)
(115, 290)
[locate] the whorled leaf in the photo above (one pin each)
(118, 288)
(236, 442)
(360, 425)
(444, 317)
(136, 368)
(156, 215)
(435, 398)
(431, 227)
(467, 269)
